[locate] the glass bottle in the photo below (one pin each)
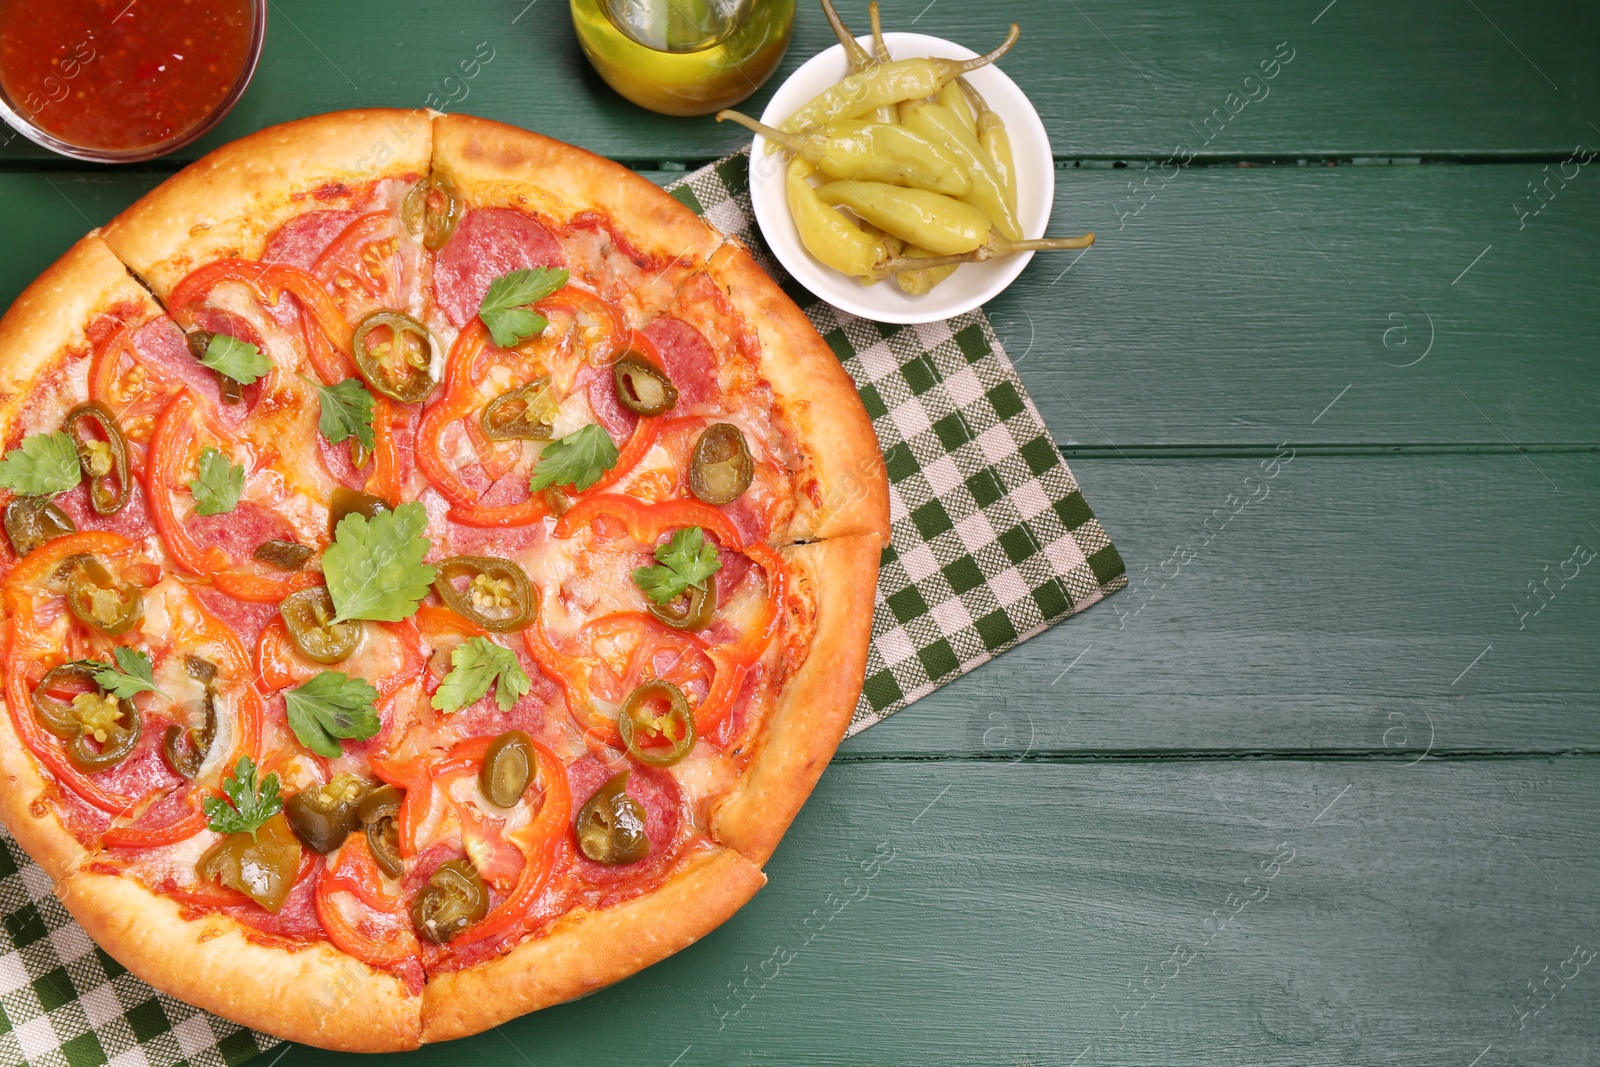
(684, 57)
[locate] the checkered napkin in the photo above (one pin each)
(992, 543)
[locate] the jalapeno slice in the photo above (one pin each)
(642, 388)
(454, 898)
(526, 413)
(507, 768)
(99, 600)
(55, 714)
(32, 520)
(325, 815)
(103, 455)
(185, 746)
(262, 865)
(394, 353)
(657, 724)
(611, 825)
(493, 592)
(198, 341)
(691, 610)
(99, 729)
(352, 502)
(432, 210)
(284, 555)
(379, 813)
(720, 468)
(309, 613)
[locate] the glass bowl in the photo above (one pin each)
(17, 118)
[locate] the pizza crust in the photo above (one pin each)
(845, 490)
(29, 805)
(44, 325)
(48, 320)
(814, 706)
(231, 201)
(493, 164)
(315, 995)
(587, 950)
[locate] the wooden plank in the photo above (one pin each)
(1359, 604)
(956, 913)
(1112, 80)
(1241, 301)
(1210, 318)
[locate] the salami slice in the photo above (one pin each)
(687, 358)
(656, 791)
(300, 241)
(488, 243)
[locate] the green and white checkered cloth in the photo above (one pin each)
(992, 543)
(65, 1003)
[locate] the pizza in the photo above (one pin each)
(438, 568)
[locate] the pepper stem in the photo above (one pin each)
(966, 66)
(859, 59)
(1003, 247)
(787, 140)
(878, 44)
(893, 265)
(997, 246)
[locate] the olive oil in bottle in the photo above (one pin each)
(684, 57)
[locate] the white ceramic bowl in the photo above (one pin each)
(973, 283)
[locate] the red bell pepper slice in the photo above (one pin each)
(26, 648)
(180, 830)
(270, 281)
(540, 841)
(258, 588)
(169, 451)
(647, 522)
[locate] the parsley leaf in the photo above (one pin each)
(503, 310)
(476, 664)
(346, 412)
(683, 563)
(578, 459)
(330, 706)
(134, 673)
(217, 489)
(374, 567)
(44, 463)
(236, 359)
(251, 806)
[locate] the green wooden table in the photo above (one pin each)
(1321, 787)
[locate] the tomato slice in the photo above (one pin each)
(362, 267)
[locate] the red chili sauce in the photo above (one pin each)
(121, 74)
